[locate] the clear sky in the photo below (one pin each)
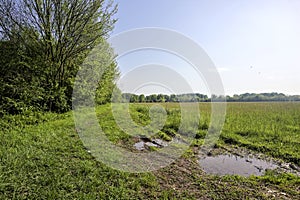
(255, 44)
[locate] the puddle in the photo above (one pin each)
(140, 146)
(146, 143)
(235, 165)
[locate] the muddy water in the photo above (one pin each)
(232, 164)
(142, 145)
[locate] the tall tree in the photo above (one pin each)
(56, 35)
(142, 98)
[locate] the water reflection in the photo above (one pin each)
(232, 164)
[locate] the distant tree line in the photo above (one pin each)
(253, 97)
(196, 97)
(153, 98)
(133, 98)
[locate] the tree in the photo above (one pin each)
(173, 98)
(106, 85)
(134, 98)
(161, 98)
(167, 98)
(153, 98)
(142, 98)
(95, 82)
(55, 36)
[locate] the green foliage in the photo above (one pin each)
(28, 118)
(42, 45)
(164, 136)
(254, 97)
(106, 86)
(133, 98)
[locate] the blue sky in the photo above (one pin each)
(254, 44)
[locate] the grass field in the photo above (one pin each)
(42, 156)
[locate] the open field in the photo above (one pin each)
(42, 156)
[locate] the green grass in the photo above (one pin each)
(48, 161)
(42, 156)
(271, 128)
